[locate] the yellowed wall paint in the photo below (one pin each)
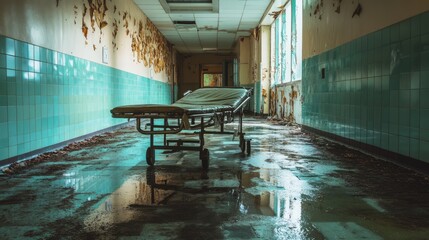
(325, 27)
(244, 60)
(254, 59)
(59, 27)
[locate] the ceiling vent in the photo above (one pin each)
(185, 25)
(190, 6)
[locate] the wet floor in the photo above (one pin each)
(292, 186)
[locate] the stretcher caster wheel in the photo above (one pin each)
(205, 158)
(248, 146)
(150, 156)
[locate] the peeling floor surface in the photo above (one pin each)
(292, 186)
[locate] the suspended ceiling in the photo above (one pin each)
(198, 26)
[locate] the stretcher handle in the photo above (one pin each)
(242, 104)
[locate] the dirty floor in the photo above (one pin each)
(292, 186)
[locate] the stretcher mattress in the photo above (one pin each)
(203, 100)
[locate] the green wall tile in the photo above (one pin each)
(424, 118)
(10, 46)
(395, 34)
(393, 143)
(404, 146)
(4, 152)
(424, 79)
(44, 102)
(424, 19)
(2, 44)
(424, 151)
(424, 61)
(387, 102)
(405, 29)
(414, 148)
(10, 62)
(415, 26)
(424, 98)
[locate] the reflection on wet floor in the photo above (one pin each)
(292, 186)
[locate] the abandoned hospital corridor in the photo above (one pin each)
(214, 119)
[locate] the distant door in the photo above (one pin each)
(212, 80)
(211, 75)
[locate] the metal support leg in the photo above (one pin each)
(222, 123)
(151, 129)
(165, 128)
(242, 143)
(202, 135)
(204, 152)
(240, 126)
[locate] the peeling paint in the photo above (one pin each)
(148, 45)
(284, 106)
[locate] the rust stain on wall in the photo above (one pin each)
(264, 95)
(273, 101)
(283, 108)
(293, 95)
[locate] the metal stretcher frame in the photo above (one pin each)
(209, 106)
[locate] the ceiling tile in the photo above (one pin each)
(215, 30)
(207, 15)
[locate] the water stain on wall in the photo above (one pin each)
(283, 108)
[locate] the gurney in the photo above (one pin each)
(198, 110)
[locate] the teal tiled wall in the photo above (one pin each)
(47, 97)
(375, 90)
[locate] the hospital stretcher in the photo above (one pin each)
(198, 110)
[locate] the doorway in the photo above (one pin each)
(211, 75)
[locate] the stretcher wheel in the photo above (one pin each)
(248, 146)
(205, 158)
(150, 156)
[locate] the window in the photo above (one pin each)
(287, 44)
